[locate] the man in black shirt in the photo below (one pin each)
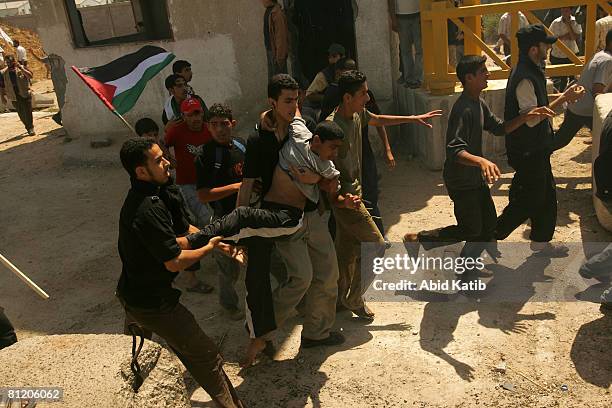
(466, 172)
(219, 176)
(151, 259)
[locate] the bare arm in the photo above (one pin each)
(539, 112)
(490, 171)
(206, 195)
(390, 120)
(384, 139)
(188, 257)
(571, 95)
(25, 71)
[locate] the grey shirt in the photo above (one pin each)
(296, 152)
(597, 71)
(467, 120)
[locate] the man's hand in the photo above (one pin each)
(574, 93)
(266, 121)
(351, 201)
(421, 119)
(214, 242)
(329, 185)
(304, 176)
(490, 171)
(390, 159)
(541, 112)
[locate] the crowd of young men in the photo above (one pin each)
(275, 193)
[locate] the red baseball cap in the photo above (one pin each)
(191, 105)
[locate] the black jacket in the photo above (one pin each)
(527, 140)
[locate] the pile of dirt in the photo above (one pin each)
(31, 42)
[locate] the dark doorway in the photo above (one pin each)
(316, 25)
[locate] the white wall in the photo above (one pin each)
(224, 42)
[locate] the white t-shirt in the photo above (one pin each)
(559, 28)
(602, 26)
(597, 71)
(505, 24)
(407, 6)
(21, 54)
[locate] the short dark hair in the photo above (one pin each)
(328, 130)
(171, 80)
(608, 37)
(469, 64)
(280, 82)
(219, 110)
(346, 64)
(350, 82)
(134, 153)
(15, 43)
(145, 125)
(180, 65)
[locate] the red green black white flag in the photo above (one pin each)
(120, 83)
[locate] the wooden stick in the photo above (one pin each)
(24, 278)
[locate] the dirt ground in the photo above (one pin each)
(59, 225)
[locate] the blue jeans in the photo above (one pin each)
(409, 35)
(201, 212)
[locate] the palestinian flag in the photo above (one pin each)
(120, 82)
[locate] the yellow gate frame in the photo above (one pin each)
(441, 80)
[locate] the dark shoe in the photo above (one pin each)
(201, 288)
(31, 132)
(334, 339)
(364, 313)
(412, 245)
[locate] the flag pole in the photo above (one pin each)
(24, 278)
(125, 122)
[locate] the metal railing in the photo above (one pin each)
(435, 14)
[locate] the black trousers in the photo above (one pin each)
(560, 82)
(24, 110)
(255, 228)
(572, 123)
(7, 332)
(178, 327)
(476, 221)
(532, 197)
(272, 220)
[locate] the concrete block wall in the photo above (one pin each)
(603, 105)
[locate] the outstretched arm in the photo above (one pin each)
(391, 120)
(188, 257)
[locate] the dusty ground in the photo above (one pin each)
(59, 225)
